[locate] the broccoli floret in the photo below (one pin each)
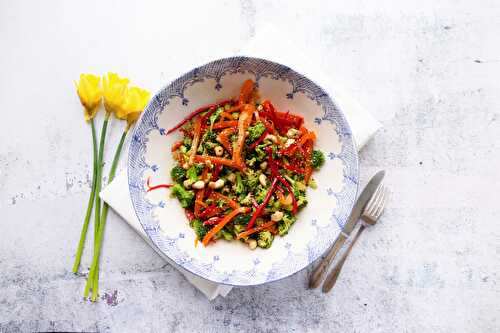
(224, 234)
(261, 194)
(252, 180)
(177, 174)
(193, 172)
(265, 239)
(261, 155)
(199, 229)
(251, 162)
(185, 197)
(214, 117)
(246, 200)
(187, 141)
(285, 224)
(301, 200)
(239, 186)
(210, 136)
(255, 131)
(239, 228)
(317, 159)
(242, 219)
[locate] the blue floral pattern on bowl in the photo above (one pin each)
(232, 262)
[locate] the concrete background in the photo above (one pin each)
(428, 70)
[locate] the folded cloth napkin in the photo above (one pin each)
(269, 44)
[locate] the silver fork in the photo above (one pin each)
(371, 214)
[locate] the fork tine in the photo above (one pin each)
(383, 201)
(378, 200)
(372, 204)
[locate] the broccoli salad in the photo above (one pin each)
(243, 169)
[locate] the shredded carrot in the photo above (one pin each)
(246, 92)
(308, 136)
(216, 160)
(307, 158)
(233, 109)
(225, 220)
(196, 141)
(223, 138)
(256, 229)
(198, 202)
(281, 196)
(176, 145)
(224, 124)
(227, 115)
(204, 174)
(243, 123)
(273, 229)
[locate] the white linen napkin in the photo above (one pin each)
(269, 44)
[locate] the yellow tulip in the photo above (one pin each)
(135, 101)
(115, 89)
(90, 92)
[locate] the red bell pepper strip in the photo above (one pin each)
(271, 163)
(209, 211)
(290, 190)
(212, 221)
(196, 112)
(291, 167)
(189, 214)
(288, 119)
(269, 112)
(151, 188)
(217, 171)
(259, 210)
(205, 117)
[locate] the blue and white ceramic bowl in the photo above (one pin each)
(233, 263)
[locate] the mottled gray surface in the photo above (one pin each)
(430, 72)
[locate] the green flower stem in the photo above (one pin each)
(94, 269)
(97, 191)
(90, 204)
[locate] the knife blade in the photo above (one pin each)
(319, 271)
(362, 201)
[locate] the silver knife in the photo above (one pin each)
(319, 271)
